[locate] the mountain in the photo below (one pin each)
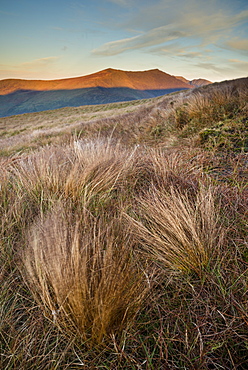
(195, 83)
(181, 78)
(199, 82)
(110, 85)
(147, 80)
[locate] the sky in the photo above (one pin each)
(53, 39)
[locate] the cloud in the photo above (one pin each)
(155, 36)
(237, 44)
(29, 69)
(191, 12)
(186, 51)
(241, 65)
(115, 47)
(198, 25)
(219, 21)
(210, 66)
(191, 55)
(225, 69)
(38, 63)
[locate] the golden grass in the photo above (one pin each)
(70, 202)
(179, 230)
(83, 238)
(99, 169)
(125, 256)
(203, 108)
(28, 132)
(83, 274)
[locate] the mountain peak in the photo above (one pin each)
(153, 79)
(197, 82)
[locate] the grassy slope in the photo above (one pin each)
(21, 102)
(123, 242)
(35, 101)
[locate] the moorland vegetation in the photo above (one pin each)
(123, 238)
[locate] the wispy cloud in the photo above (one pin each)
(241, 65)
(155, 36)
(39, 63)
(190, 12)
(191, 55)
(237, 44)
(57, 28)
(209, 66)
(231, 67)
(116, 47)
(29, 69)
(198, 26)
(36, 63)
(190, 51)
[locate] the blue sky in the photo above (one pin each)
(52, 39)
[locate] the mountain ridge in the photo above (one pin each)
(153, 79)
(110, 85)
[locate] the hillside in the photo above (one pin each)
(138, 121)
(107, 86)
(109, 78)
(123, 238)
(27, 101)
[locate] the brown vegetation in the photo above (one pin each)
(118, 254)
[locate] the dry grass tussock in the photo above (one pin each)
(100, 170)
(181, 231)
(83, 274)
(131, 250)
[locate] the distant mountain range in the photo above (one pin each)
(107, 86)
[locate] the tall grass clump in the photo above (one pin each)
(180, 231)
(43, 173)
(82, 273)
(174, 169)
(100, 173)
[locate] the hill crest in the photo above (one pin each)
(153, 79)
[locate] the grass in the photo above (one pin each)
(56, 123)
(87, 282)
(205, 108)
(124, 246)
(181, 231)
